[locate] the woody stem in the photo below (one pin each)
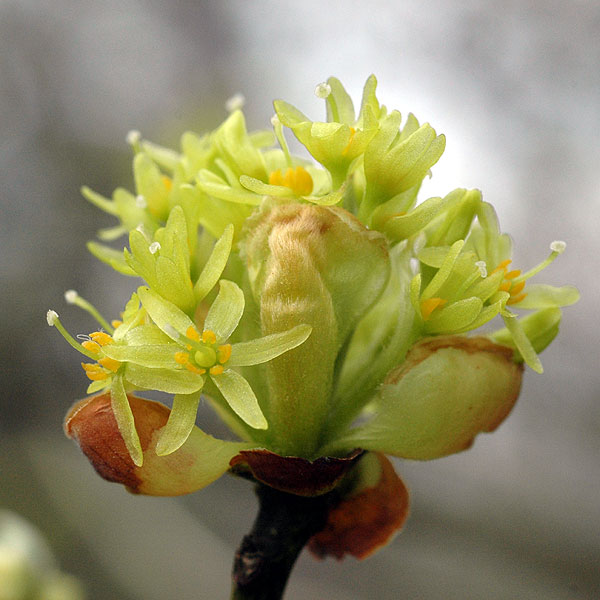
(266, 556)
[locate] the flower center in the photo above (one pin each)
(105, 366)
(514, 289)
(203, 353)
(298, 180)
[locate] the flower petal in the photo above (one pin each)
(239, 395)
(214, 265)
(171, 381)
(266, 348)
(199, 461)
(164, 313)
(124, 420)
(180, 424)
(226, 311)
(547, 296)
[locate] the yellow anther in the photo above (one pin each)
(208, 337)
(116, 323)
(110, 363)
(502, 266)
(515, 289)
(429, 305)
(91, 346)
(102, 338)
(194, 369)
(352, 134)
(192, 333)
(167, 182)
(505, 286)
(94, 372)
(515, 299)
(216, 370)
(298, 180)
(224, 353)
(512, 274)
(182, 358)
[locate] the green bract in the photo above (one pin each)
(319, 308)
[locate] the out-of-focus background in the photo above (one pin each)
(514, 85)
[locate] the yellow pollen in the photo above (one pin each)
(216, 370)
(116, 323)
(167, 182)
(352, 134)
(182, 358)
(515, 289)
(110, 363)
(512, 274)
(192, 334)
(91, 346)
(298, 180)
(429, 305)
(505, 286)
(194, 369)
(208, 337)
(101, 338)
(224, 353)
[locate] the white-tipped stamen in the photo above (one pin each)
(154, 247)
(558, 246)
(236, 102)
(140, 202)
(54, 321)
(275, 121)
(133, 138)
(480, 264)
(322, 90)
(51, 317)
(71, 296)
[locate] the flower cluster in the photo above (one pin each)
(319, 307)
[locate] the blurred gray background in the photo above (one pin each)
(515, 86)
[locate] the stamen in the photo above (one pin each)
(429, 305)
(54, 321)
(167, 182)
(502, 266)
(208, 337)
(194, 369)
(110, 363)
(52, 317)
(116, 323)
(140, 202)
(558, 246)
(322, 90)
(193, 334)
(94, 372)
(275, 121)
(72, 297)
(352, 134)
(298, 180)
(236, 102)
(216, 370)
(101, 338)
(224, 353)
(516, 299)
(92, 346)
(154, 247)
(182, 358)
(512, 274)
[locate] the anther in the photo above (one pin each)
(275, 121)
(322, 90)
(51, 317)
(140, 201)
(558, 246)
(208, 337)
(154, 247)
(236, 102)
